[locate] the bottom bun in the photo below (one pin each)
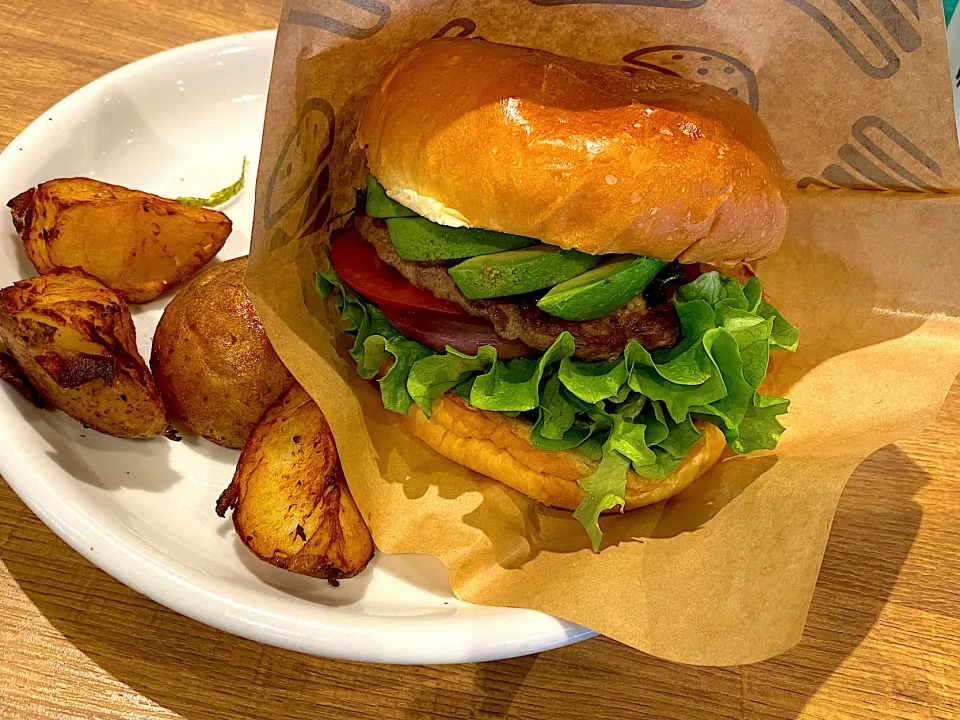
(495, 445)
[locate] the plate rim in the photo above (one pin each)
(136, 568)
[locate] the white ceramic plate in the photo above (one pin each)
(177, 124)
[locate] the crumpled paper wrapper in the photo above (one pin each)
(859, 104)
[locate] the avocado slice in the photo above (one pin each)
(519, 271)
(381, 205)
(416, 238)
(602, 290)
(420, 239)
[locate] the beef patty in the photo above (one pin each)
(519, 318)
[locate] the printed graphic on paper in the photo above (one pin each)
(378, 11)
(458, 28)
(880, 158)
(702, 64)
(680, 4)
(863, 36)
(298, 187)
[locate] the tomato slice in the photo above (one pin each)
(465, 333)
(417, 313)
(358, 264)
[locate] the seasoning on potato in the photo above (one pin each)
(211, 358)
(291, 504)
(74, 341)
(137, 244)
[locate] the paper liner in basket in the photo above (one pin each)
(861, 110)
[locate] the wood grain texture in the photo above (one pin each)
(882, 641)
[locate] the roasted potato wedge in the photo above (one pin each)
(73, 340)
(11, 373)
(291, 504)
(137, 244)
(211, 359)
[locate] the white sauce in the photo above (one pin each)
(428, 207)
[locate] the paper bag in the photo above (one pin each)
(859, 105)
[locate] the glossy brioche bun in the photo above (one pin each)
(599, 158)
(495, 445)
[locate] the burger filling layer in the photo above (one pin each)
(519, 318)
(610, 357)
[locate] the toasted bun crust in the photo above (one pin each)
(576, 154)
(497, 446)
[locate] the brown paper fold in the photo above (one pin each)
(724, 573)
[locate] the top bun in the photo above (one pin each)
(599, 158)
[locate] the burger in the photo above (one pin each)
(547, 271)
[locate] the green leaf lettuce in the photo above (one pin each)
(636, 413)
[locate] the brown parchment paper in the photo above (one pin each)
(860, 107)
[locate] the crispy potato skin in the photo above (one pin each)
(73, 340)
(291, 504)
(214, 366)
(137, 244)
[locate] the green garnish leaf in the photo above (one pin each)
(752, 335)
(760, 429)
(375, 342)
(753, 292)
(324, 286)
(627, 438)
(680, 437)
(462, 389)
(593, 381)
(556, 412)
(714, 288)
(664, 463)
(784, 336)
(656, 421)
(730, 409)
(603, 490)
(221, 196)
(433, 376)
(647, 379)
(516, 385)
(393, 385)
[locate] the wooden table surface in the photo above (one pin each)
(882, 640)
